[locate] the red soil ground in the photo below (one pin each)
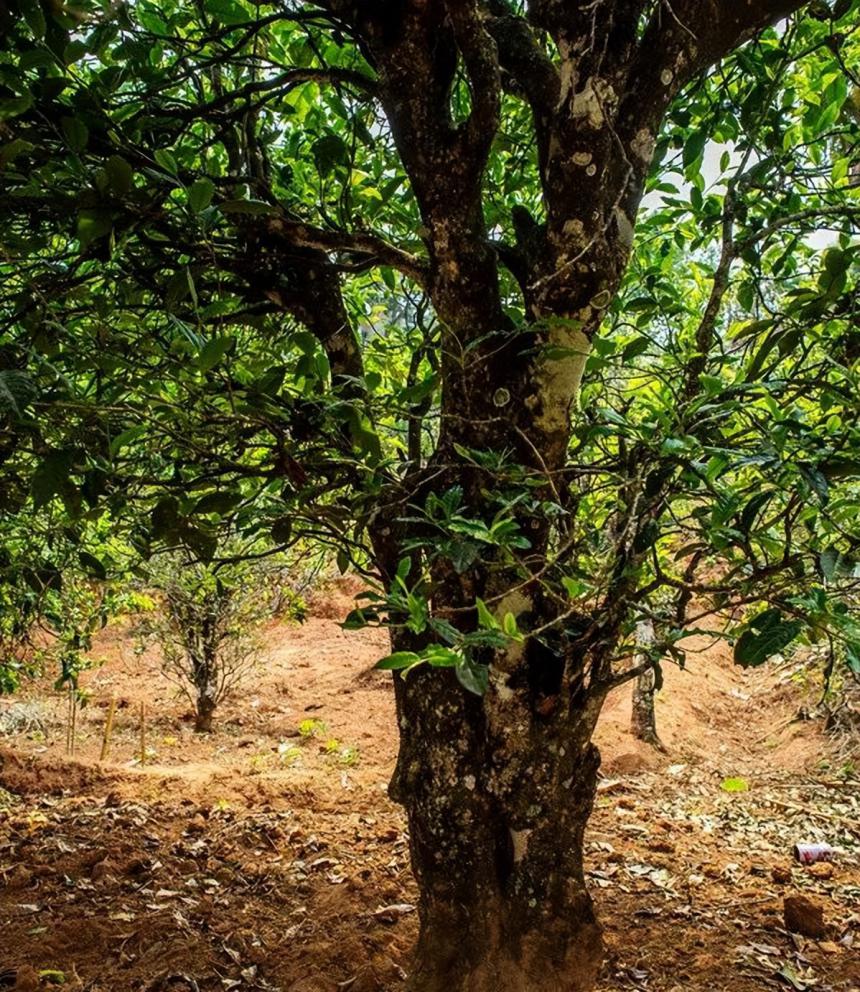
(263, 858)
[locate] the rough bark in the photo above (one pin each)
(498, 788)
(497, 797)
(205, 674)
(643, 718)
(204, 715)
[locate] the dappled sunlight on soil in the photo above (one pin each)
(267, 855)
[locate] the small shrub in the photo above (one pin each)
(349, 755)
(205, 627)
(288, 754)
(19, 718)
(311, 728)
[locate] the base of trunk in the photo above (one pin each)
(203, 721)
(498, 789)
(643, 719)
(548, 955)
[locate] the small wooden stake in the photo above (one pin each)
(74, 720)
(108, 729)
(142, 734)
(71, 712)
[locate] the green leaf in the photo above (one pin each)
(92, 565)
(834, 564)
(201, 541)
(165, 517)
(485, 618)
(213, 351)
(76, 133)
(74, 51)
(93, 224)
(200, 194)
(734, 785)
(50, 477)
(766, 635)
(694, 147)
(836, 261)
(166, 160)
(399, 660)
(15, 105)
(17, 389)
(473, 676)
(817, 482)
(509, 625)
(282, 531)
(328, 152)
(219, 502)
(34, 16)
(674, 446)
(358, 619)
(126, 437)
(635, 348)
(752, 509)
(12, 149)
(647, 536)
(575, 588)
(228, 11)
(120, 174)
(438, 656)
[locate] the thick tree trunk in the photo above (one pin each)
(497, 798)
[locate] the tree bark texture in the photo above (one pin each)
(643, 719)
(204, 715)
(498, 788)
(497, 800)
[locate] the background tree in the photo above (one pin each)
(204, 625)
(643, 717)
(367, 273)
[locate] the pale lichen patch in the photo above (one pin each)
(559, 378)
(574, 228)
(589, 102)
(520, 843)
(515, 601)
(625, 227)
(643, 144)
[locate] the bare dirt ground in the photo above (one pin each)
(267, 855)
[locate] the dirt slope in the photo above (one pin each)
(268, 858)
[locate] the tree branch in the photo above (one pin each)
(480, 56)
(362, 243)
(694, 34)
(277, 86)
(530, 71)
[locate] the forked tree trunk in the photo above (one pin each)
(497, 799)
